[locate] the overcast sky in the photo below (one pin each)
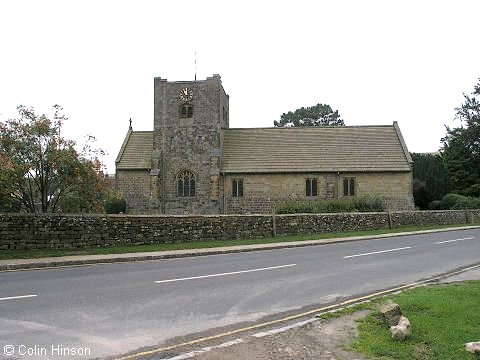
(374, 61)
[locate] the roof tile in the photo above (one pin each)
(313, 149)
(137, 153)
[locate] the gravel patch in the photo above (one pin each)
(319, 340)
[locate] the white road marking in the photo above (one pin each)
(205, 349)
(329, 308)
(283, 329)
(194, 353)
(17, 297)
(330, 297)
(224, 274)
(449, 241)
(377, 252)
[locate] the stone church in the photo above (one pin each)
(194, 163)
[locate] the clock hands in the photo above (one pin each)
(186, 94)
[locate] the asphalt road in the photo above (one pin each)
(113, 309)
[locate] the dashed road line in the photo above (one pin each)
(377, 252)
(296, 316)
(225, 274)
(454, 240)
(17, 297)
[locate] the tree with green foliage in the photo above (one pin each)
(43, 172)
(318, 115)
(461, 147)
(430, 178)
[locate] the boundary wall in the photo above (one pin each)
(61, 231)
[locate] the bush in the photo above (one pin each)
(369, 203)
(115, 205)
(473, 190)
(459, 202)
(450, 200)
(363, 204)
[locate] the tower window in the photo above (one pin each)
(186, 111)
(186, 184)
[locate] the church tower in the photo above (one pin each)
(187, 146)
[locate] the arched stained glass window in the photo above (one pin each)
(186, 184)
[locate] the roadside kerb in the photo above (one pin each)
(83, 260)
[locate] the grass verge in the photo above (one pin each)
(443, 318)
(121, 249)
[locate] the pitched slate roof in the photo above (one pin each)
(283, 150)
(136, 151)
(315, 149)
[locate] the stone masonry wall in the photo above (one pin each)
(292, 224)
(27, 231)
(189, 144)
(404, 218)
(135, 187)
(263, 192)
(396, 188)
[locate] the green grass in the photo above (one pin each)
(26, 254)
(443, 318)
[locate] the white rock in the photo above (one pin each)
(402, 330)
(473, 347)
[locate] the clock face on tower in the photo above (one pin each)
(186, 94)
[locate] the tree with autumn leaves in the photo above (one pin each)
(43, 172)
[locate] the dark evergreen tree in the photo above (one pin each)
(318, 115)
(461, 147)
(430, 178)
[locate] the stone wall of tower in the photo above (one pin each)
(193, 144)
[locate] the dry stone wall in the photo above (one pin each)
(405, 218)
(324, 223)
(27, 231)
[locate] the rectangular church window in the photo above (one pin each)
(237, 187)
(311, 187)
(348, 186)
